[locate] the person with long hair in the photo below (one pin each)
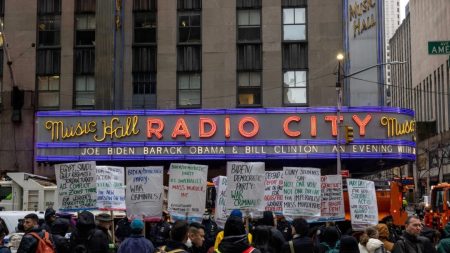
(369, 242)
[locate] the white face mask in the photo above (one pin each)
(188, 243)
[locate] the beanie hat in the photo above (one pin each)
(236, 213)
(49, 212)
(137, 224)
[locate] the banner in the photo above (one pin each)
(187, 191)
(301, 191)
(220, 214)
(363, 203)
(332, 207)
(144, 196)
(273, 193)
(76, 186)
(110, 188)
(245, 185)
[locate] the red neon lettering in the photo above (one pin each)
(333, 120)
(155, 130)
(181, 129)
(227, 127)
(286, 129)
(201, 127)
(252, 121)
(313, 124)
(362, 123)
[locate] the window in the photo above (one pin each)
(48, 90)
(189, 4)
(249, 88)
(249, 57)
(295, 87)
(189, 58)
(189, 30)
(295, 55)
(294, 24)
(145, 27)
(144, 90)
(49, 7)
(85, 29)
(144, 5)
(85, 6)
(85, 60)
(85, 91)
(189, 89)
(49, 30)
(249, 25)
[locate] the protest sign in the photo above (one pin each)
(76, 186)
(245, 185)
(301, 191)
(145, 189)
(220, 214)
(273, 194)
(363, 203)
(187, 191)
(110, 188)
(332, 208)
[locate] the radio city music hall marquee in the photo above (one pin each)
(268, 133)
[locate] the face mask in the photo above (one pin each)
(188, 243)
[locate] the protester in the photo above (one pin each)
(329, 239)
(431, 234)
(178, 238)
(104, 223)
(197, 237)
(300, 243)
(30, 240)
(444, 244)
(369, 242)
(285, 228)
(87, 236)
(159, 233)
(411, 241)
(236, 213)
(49, 217)
(235, 238)
(277, 239)
(59, 229)
(262, 236)
(3, 247)
(383, 235)
(394, 233)
(123, 230)
(348, 244)
(136, 242)
(211, 230)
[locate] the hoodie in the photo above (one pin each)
(372, 246)
(235, 244)
(384, 236)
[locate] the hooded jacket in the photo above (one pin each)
(59, 230)
(235, 244)
(372, 246)
(136, 244)
(384, 236)
(86, 235)
(444, 244)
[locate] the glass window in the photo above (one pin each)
(295, 87)
(189, 27)
(145, 27)
(48, 91)
(49, 30)
(249, 79)
(294, 24)
(85, 29)
(189, 90)
(84, 91)
(249, 25)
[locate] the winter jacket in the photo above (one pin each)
(383, 232)
(59, 230)
(372, 246)
(86, 235)
(413, 244)
(211, 230)
(302, 244)
(136, 244)
(29, 243)
(444, 244)
(4, 249)
(159, 233)
(173, 245)
(235, 244)
(219, 238)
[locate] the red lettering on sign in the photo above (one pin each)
(286, 129)
(249, 120)
(201, 127)
(181, 129)
(362, 123)
(227, 127)
(313, 126)
(333, 120)
(151, 122)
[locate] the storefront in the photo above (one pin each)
(278, 136)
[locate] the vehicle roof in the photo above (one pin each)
(11, 218)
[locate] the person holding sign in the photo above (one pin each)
(300, 243)
(235, 238)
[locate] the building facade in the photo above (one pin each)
(391, 23)
(149, 54)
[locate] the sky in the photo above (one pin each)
(402, 9)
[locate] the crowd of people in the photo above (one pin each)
(268, 234)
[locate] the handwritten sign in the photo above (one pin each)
(110, 188)
(220, 214)
(245, 188)
(187, 191)
(76, 186)
(332, 198)
(144, 192)
(363, 203)
(301, 192)
(273, 193)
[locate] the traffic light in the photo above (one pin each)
(348, 134)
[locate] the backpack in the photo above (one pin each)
(329, 249)
(45, 245)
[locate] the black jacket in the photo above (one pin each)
(86, 235)
(413, 244)
(172, 245)
(29, 243)
(301, 245)
(235, 244)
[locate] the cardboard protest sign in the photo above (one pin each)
(273, 193)
(301, 191)
(187, 191)
(145, 189)
(363, 203)
(77, 189)
(110, 188)
(220, 214)
(245, 185)
(332, 198)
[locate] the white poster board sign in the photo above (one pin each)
(110, 188)
(220, 214)
(245, 185)
(77, 189)
(144, 196)
(187, 191)
(301, 192)
(273, 193)
(332, 198)
(363, 203)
